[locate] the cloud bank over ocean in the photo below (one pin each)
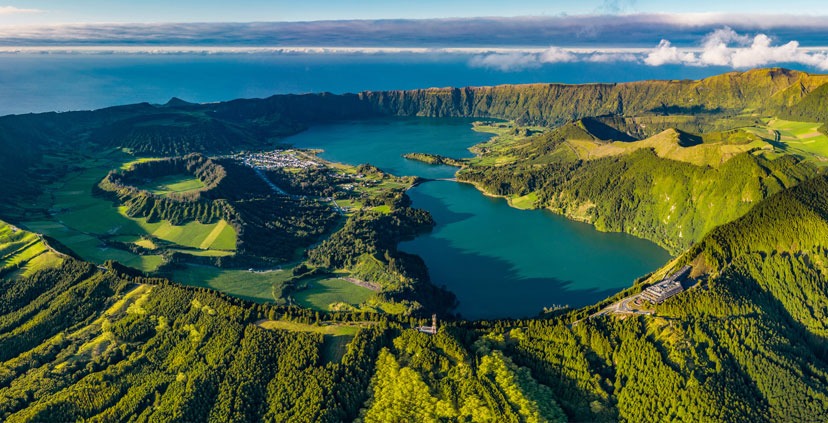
(635, 30)
(722, 47)
(501, 44)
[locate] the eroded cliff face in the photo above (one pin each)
(550, 104)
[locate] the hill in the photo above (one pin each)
(24, 253)
(748, 342)
(765, 91)
(671, 188)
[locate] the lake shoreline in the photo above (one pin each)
(499, 260)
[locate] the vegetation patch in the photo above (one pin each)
(258, 286)
(321, 293)
(24, 252)
(173, 184)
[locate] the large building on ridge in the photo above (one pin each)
(667, 287)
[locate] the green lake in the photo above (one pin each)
(499, 261)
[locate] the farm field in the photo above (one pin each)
(337, 336)
(80, 221)
(217, 236)
(173, 184)
(323, 292)
(800, 138)
(667, 145)
(253, 286)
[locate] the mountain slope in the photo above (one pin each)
(748, 343)
(673, 203)
(765, 90)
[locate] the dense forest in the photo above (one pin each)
(747, 344)
(669, 202)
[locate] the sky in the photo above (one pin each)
(494, 34)
(37, 12)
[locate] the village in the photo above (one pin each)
(276, 159)
(351, 187)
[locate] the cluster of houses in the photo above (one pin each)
(277, 159)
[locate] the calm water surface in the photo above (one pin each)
(60, 82)
(499, 261)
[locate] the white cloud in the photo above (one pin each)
(612, 57)
(726, 47)
(506, 62)
(721, 47)
(666, 54)
(515, 61)
(11, 10)
(716, 43)
(557, 55)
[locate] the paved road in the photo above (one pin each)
(269, 182)
(280, 191)
(622, 306)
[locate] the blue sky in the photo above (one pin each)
(30, 12)
(505, 36)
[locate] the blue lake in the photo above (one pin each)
(499, 261)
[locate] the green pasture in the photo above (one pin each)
(799, 138)
(24, 251)
(253, 286)
(81, 221)
(321, 293)
(173, 184)
(336, 336)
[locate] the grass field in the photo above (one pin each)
(525, 202)
(129, 164)
(24, 251)
(343, 329)
(385, 209)
(80, 220)
(217, 236)
(321, 293)
(253, 286)
(666, 145)
(799, 138)
(173, 184)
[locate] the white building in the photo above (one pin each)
(667, 287)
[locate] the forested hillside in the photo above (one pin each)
(761, 90)
(747, 344)
(663, 191)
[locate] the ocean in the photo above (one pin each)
(43, 82)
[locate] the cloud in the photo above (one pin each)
(506, 62)
(715, 45)
(614, 7)
(726, 47)
(515, 61)
(612, 57)
(11, 10)
(723, 47)
(596, 31)
(667, 54)
(737, 40)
